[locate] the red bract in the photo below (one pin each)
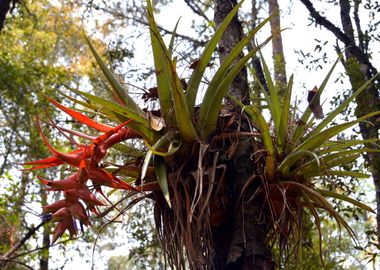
(86, 159)
(65, 222)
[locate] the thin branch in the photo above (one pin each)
(195, 42)
(358, 27)
(345, 8)
(22, 241)
(355, 50)
(196, 9)
(17, 262)
(42, 248)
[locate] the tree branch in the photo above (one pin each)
(358, 27)
(196, 9)
(355, 50)
(195, 42)
(22, 241)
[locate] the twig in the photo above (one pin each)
(42, 248)
(14, 261)
(356, 51)
(195, 42)
(196, 9)
(22, 241)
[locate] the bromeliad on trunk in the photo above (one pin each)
(192, 161)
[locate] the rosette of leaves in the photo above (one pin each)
(188, 150)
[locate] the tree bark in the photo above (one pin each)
(241, 243)
(44, 254)
(359, 69)
(230, 38)
(277, 48)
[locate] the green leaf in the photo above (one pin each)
(162, 70)
(171, 44)
(292, 158)
(273, 95)
(168, 138)
(173, 147)
(345, 198)
(319, 199)
(332, 146)
(344, 174)
(119, 93)
(228, 62)
(319, 163)
(196, 76)
(145, 166)
(159, 165)
(318, 139)
(212, 102)
(310, 169)
(167, 78)
(139, 123)
(300, 129)
(341, 107)
(282, 130)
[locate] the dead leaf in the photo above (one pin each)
(195, 63)
(156, 122)
(314, 103)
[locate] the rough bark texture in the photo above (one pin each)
(5, 6)
(44, 254)
(230, 38)
(277, 48)
(241, 243)
(359, 69)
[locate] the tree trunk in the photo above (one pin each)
(241, 243)
(230, 38)
(277, 48)
(44, 254)
(5, 6)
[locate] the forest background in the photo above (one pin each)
(43, 51)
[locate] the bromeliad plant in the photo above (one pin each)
(188, 153)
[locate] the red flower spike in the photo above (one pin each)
(86, 159)
(120, 136)
(61, 214)
(109, 133)
(66, 222)
(77, 133)
(51, 208)
(84, 194)
(46, 161)
(93, 209)
(81, 117)
(67, 183)
(101, 177)
(50, 162)
(72, 159)
(79, 212)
